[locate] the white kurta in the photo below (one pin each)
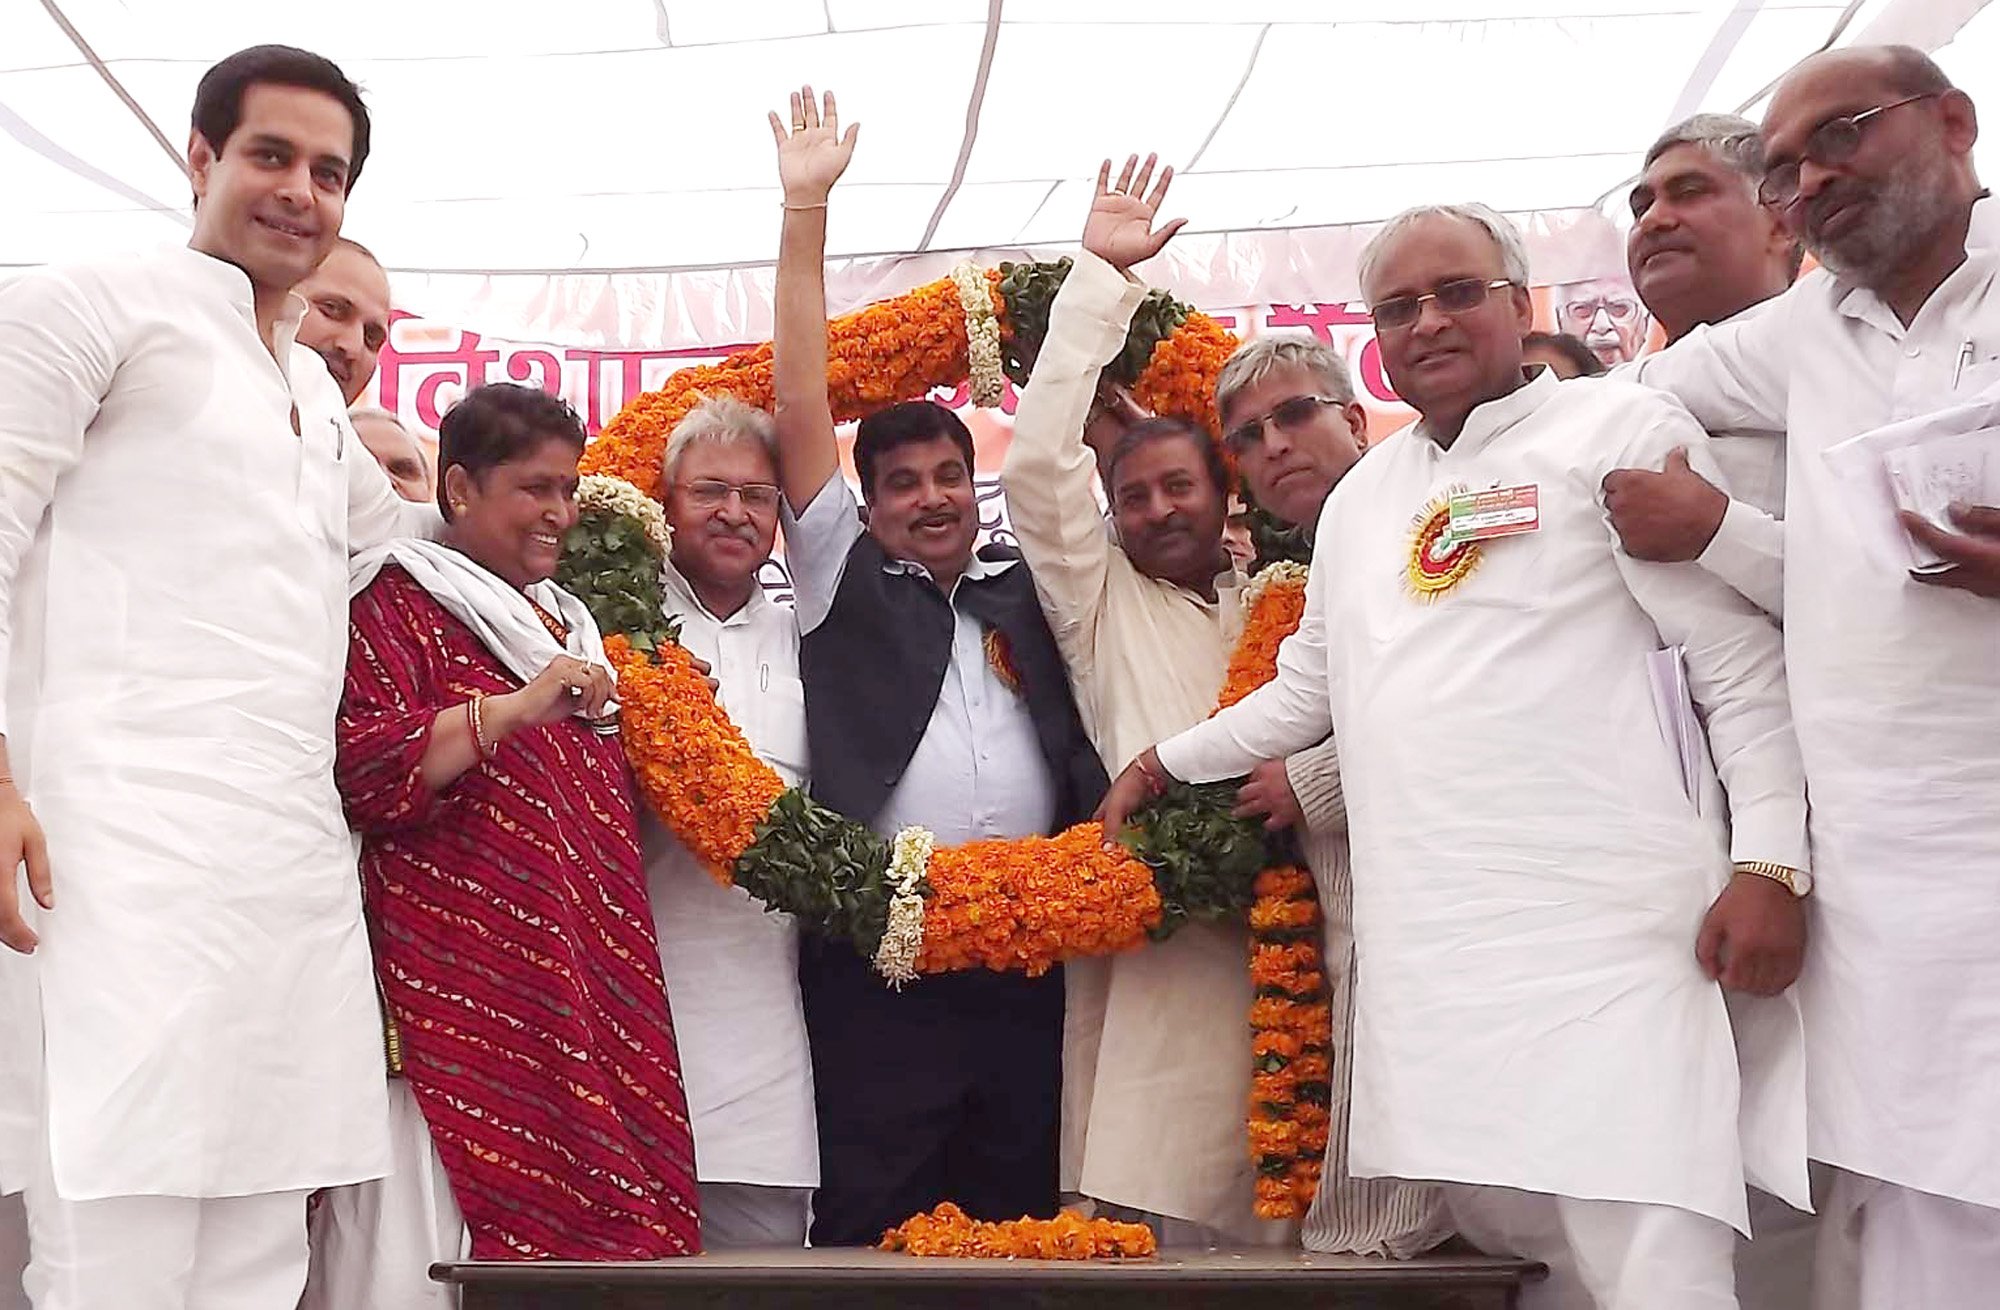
(1529, 877)
(732, 966)
(173, 580)
(1748, 548)
(1156, 1042)
(1896, 689)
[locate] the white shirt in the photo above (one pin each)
(1529, 876)
(732, 966)
(1156, 1046)
(978, 770)
(1896, 690)
(173, 590)
(1748, 548)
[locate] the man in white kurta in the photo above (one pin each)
(1156, 1042)
(732, 967)
(1894, 683)
(1530, 875)
(179, 491)
(1702, 250)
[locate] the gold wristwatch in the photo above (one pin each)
(1796, 881)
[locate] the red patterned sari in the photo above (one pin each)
(516, 952)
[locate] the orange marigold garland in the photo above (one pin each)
(949, 1231)
(1026, 904)
(1290, 1020)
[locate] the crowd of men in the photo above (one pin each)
(1706, 1036)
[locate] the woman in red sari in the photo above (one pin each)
(478, 758)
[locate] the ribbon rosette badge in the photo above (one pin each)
(1438, 562)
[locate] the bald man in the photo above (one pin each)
(347, 315)
(1894, 682)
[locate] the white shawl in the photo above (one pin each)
(497, 613)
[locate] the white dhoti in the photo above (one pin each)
(13, 1252)
(736, 1215)
(1602, 1255)
(1901, 1249)
(164, 1252)
(373, 1243)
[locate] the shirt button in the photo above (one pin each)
(1911, 353)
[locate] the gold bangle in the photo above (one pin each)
(802, 209)
(477, 719)
(1154, 779)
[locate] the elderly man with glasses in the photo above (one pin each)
(1549, 901)
(1895, 675)
(732, 967)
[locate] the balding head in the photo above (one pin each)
(1882, 200)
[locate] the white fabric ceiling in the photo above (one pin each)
(530, 136)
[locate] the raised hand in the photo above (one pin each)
(1120, 227)
(812, 154)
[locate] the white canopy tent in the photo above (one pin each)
(599, 173)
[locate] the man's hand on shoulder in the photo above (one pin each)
(1668, 516)
(1120, 227)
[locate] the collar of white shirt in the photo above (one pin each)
(677, 593)
(1489, 420)
(1858, 302)
(233, 282)
(976, 568)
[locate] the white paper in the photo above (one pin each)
(1673, 708)
(1923, 465)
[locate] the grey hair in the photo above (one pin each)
(720, 421)
(1255, 359)
(1513, 250)
(1735, 141)
(373, 411)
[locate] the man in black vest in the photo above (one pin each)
(934, 698)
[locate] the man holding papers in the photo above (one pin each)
(1895, 679)
(1541, 914)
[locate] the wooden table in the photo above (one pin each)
(851, 1279)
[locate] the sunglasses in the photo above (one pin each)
(1290, 415)
(1832, 143)
(1458, 296)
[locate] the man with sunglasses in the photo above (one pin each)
(1292, 422)
(1544, 901)
(1894, 677)
(1155, 1048)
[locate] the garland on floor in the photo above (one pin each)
(949, 1231)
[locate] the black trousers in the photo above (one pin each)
(949, 1090)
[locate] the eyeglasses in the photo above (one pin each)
(1832, 142)
(1459, 296)
(1289, 414)
(713, 493)
(1581, 312)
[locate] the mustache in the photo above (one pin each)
(1833, 196)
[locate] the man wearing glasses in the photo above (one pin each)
(1895, 678)
(731, 966)
(1606, 315)
(1547, 909)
